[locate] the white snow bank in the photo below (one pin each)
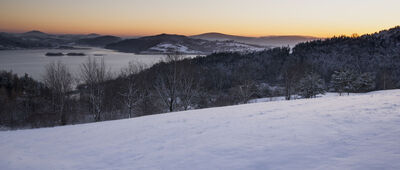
(296, 97)
(348, 132)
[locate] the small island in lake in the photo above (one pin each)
(50, 54)
(54, 54)
(64, 47)
(75, 54)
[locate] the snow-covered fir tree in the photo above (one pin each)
(311, 85)
(343, 81)
(365, 82)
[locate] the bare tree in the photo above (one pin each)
(292, 73)
(167, 83)
(59, 80)
(95, 74)
(289, 78)
(245, 91)
(129, 90)
(188, 89)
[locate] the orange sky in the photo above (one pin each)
(322, 18)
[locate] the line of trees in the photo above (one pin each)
(172, 85)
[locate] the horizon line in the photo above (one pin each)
(145, 35)
(210, 32)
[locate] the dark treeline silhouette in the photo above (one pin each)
(340, 64)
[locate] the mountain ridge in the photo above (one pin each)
(272, 40)
(98, 41)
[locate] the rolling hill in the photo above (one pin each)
(167, 43)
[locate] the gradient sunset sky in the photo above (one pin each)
(322, 18)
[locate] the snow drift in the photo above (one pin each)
(348, 132)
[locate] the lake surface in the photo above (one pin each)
(33, 61)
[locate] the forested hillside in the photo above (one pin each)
(378, 53)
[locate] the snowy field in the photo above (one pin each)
(337, 132)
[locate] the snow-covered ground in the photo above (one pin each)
(337, 132)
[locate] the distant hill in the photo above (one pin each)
(99, 41)
(276, 41)
(35, 33)
(166, 43)
(92, 35)
(23, 41)
(37, 39)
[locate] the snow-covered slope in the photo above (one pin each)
(348, 132)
